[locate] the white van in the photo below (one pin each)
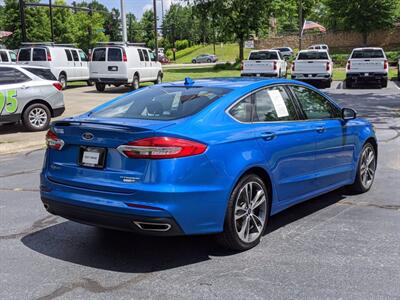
(7, 56)
(123, 64)
(65, 62)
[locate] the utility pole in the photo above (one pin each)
(123, 20)
(155, 29)
(22, 19)
(51, 20)
(162, 11)
(300, 23)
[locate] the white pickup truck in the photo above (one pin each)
(367, 65)
(314, 66)
(267, 63)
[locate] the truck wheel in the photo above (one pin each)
(63, 80)
(193, 61)
(135, 83)
(89, 83)
(349, 84)
(36, 117)
(159, 78)
(384, 83)
(100, 87)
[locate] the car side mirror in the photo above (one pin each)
(348, 114)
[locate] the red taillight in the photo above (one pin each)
(275, 66)
(48, 55)
(53, 141)
(348, 65)
(124, 58)
(385, 65)
(328, 67)
(57, 85)
(241, 66)
(90, 56)
(293, 67)
(161, 147)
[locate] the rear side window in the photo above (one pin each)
(162, 103)
(42, 73)
(7, 76)
(273, 104)
(3, 56)
(243, 110)
(263, 55)
(39, 54)
(99, 54)
(20, 77)
(13, 56)
(312, 55)
(152, 56)
(75, 55)
(146, 55)
(314, 105)
(368, 53)
(69, 55)
(24, 54)
(83, 56)
(140, 54)
(114, 54)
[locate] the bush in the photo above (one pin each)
(181, 44)
(227, 66)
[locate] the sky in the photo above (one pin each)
(135, 6)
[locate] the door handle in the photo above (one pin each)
(320, 129)
(267, 136)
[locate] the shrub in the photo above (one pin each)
(181, 44)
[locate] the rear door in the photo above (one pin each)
(312, 62)
(39, 57)
(368, 60)
(116, 65)
(24, 56)
(335, 139)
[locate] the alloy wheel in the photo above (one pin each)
(38, 117)
(250, 212)
(367, 167)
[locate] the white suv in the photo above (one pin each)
(7, 56)
(123, 64)
(65, 62)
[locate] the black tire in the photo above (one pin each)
(193, 61)
(135, 83)
(349, 84)
(209, 60)
(100, 87)
(229, 238)
(89, 83)
(359, 186)
(41, 121)
(63, 80)
(384, 83)
(159, 78)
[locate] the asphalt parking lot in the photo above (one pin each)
(338, 246)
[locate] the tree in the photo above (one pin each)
(113, 25)
(133, 28)
(147, 26)
(363, 16)
(90, 29)
(65, 29)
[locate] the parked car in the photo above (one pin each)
(285, 51)
(31, 94)
(268, 63)
(66, 62)
(123, 64)
(313, 66)
(319, 47)
(7, 56)
(205, 58)
(206, 156)
(367, 65)
(163, 59)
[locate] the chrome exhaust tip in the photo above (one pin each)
(147, 226)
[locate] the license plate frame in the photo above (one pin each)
(92, 157)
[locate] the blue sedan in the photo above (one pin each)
(206, 156)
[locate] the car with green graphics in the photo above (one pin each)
(31, 95)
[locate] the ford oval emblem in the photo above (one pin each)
(87, 136)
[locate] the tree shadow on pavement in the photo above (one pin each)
(130, 253)
(12, 128)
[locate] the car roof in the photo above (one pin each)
(367, 48)
(231, 82)
(313, 50)
(23, 66)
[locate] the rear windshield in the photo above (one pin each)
(24, 54)
(99, 54)
(39, 54)
(162, 103)
(368, 53)
(114, 54)
(42, 73)
(312, 55)
(263, 55)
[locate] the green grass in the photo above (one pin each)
(225, 52)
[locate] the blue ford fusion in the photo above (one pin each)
(205, 156)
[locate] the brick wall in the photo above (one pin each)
(387, 39)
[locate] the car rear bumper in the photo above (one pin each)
(109, 80)
(58, 111)
(312, 77)
(366, 76)
(120, 221)
(259, 74)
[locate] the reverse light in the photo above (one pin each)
(161, 147)
(57, 85)
(385, 65)
(275, 66)
(53, 141)
(348, 67)
(328, 67)
(48, 55)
